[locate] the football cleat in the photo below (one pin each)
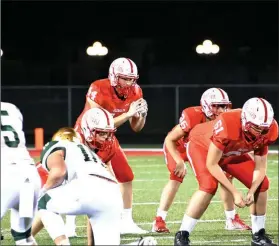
(236, 224)
(181, 238)
(261, 238)
(159, 225)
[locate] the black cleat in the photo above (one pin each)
(181, 238)
(2, 237)
(261, 238)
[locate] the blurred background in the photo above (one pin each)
(181, 49)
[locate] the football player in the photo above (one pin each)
(20, 182)
(223, 145)
(214, 101)
(120, 95)
(79, 183)
(97, 129)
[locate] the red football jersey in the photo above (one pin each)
(226, 133)
(190, 117)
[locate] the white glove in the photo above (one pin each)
(137, 107)
(147, 241)
(143, 107)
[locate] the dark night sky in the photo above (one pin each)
(30, 28)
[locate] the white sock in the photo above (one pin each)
(230, 214)
(71, 221)
(162, 213)
(127, 214)
(65, 242)
(188, 224)
(258, 222)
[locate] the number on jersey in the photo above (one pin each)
(9, 134)
(88, 156)
(218, 127)
(182, 122)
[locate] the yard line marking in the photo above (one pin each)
(184, 202)
(194, 242)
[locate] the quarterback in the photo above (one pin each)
(120, 95)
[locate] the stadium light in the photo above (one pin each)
(207, 48)
(1, 52)
(97, 49)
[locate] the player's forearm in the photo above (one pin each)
(171, 146)
(56, 177)
(121, 119)
(258, 177)
(137, 123)
(259, 172)
(218, 173)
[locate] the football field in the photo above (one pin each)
(151, 175)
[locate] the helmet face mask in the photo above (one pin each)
(253, 132)
(100, 139)
(98, 128)
(123, 76)
(215, 101)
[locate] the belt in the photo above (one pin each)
(96, 175)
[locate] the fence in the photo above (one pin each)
(52, 107)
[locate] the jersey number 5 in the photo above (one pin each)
(8, 130)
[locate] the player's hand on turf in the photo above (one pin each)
(180, 169)
(238, 200)
(249, 199)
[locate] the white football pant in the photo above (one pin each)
(98, 198)
(20, 185)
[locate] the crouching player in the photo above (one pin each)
(223, 145)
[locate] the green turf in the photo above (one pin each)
(150, 177)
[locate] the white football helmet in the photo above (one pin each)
(98, 123)
(256, 117)
(212, 97)
(124, 68)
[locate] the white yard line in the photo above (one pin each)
(161, 150)
(183, 202)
